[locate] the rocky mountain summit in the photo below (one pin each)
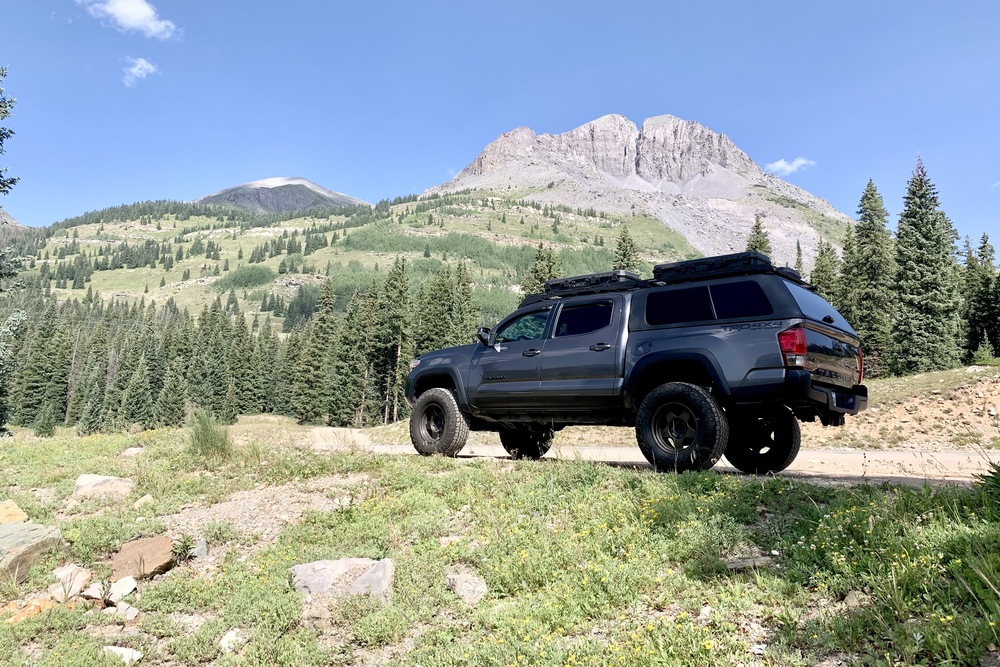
(279, 195)
(7, 219)
(696, 181)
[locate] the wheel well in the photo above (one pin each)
(653, 376)
(433, 382)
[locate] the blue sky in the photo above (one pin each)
(126, 100)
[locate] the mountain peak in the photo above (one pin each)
(279, 194)
(693, 179)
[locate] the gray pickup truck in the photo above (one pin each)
(712, 357)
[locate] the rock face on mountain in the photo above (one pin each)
(694, 180)
(279, 195)
(7, 219)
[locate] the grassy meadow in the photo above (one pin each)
(586, 563)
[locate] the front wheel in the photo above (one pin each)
(522, 442)
(437, 426)
(680, 427)
(769, 440)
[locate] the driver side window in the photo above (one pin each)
(529, 326)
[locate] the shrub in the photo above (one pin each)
(45, 422)
(984, 355)
(209, 440)
(245, 277)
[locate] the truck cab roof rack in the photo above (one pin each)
(593, 283)
(741, 263)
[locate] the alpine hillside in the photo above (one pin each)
(695, 181)
(279, 195)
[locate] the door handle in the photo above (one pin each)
(531, 353)
(600, 347)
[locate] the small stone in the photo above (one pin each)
(706, 613)
(122, 610)
(376, 581)
(232, 641)
(71, 580)
(33, 608)
(852, 600)
(11, 513)
(739, 564)
(200, 549)
(144, 557)
(319, 576)
(128, 656)
(93, 592)
(121, 588)
(100, 486)
(468, 587)
(132, 451)
(145, 500)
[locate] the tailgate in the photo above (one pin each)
(832, 357)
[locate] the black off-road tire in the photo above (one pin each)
(437, 426)
(768, 440)
(525, 443)
(681, 427)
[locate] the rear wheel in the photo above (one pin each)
(437, 426)
(680, 427)
(768, 440)
(522, 442)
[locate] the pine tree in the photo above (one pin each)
(868, 295)
(170, 402)
(759, 241)
(137, 400)
(826, 270)
(798, 258)
(980, 309)
(927, 325)
(394, 339)
(545, 266)
(626, 252)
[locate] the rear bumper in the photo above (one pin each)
(797, 390)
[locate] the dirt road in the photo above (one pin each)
(845, 466)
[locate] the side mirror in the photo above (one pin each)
(483, 335)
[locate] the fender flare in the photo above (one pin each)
(702, 357)
(442, 371)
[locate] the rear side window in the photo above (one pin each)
(816, 307)
(583, 319)
(740, 299)
(680, 305)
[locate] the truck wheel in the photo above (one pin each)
(437, 426)
(680, 427)
(525, 443)
(768, 441)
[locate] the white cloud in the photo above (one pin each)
(783, 167)
(131, 15)
(995, 185)
(138, 68)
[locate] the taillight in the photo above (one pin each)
(793, 346)
(861, 367)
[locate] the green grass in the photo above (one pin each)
(586, 564)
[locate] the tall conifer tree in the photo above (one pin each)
(927, 326)
(759, 241)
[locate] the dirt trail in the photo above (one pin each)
(848, 466)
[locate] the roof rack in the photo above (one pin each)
(740, 263)
(593, 283)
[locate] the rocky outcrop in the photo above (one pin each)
(696, 181)
(143, 558)
(24, 544)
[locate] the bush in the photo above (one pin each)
(245, 277)
(45, 422)
(984, 356)
(209, 440)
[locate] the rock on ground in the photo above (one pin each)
(468, 587)
(232, 641)
(11, 513)
(128, 656)
(100, 486)
(317, 578)
(70, 581)
(23, 544)
(145, 557)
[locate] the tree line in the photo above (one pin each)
(916, 302)
(109, 365)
